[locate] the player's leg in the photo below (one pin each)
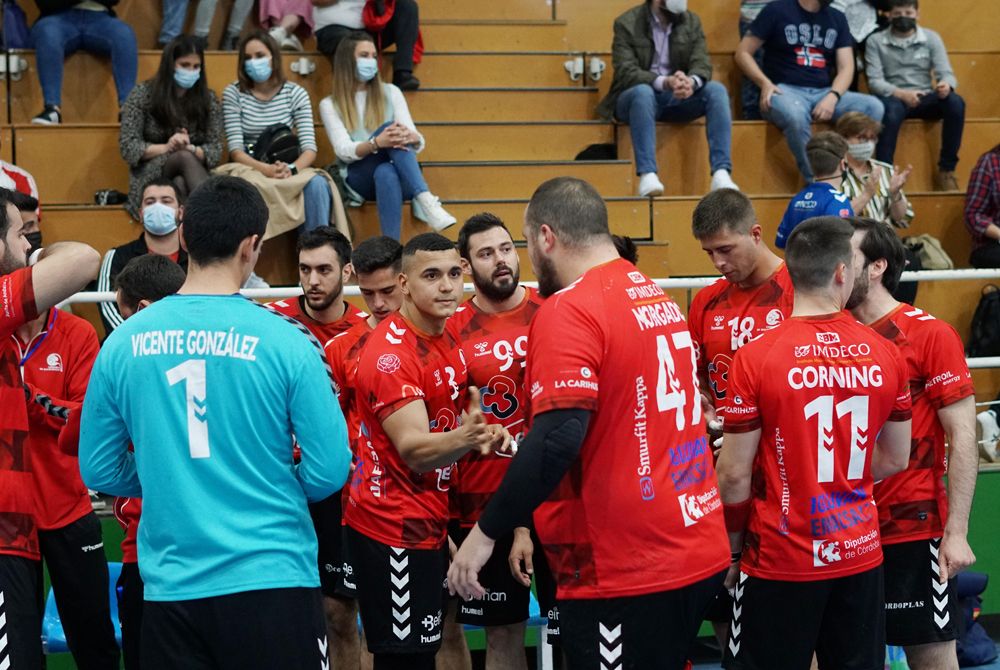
(505, 647)
(775, 624)
(173, 636)
(342, 630)
(79, 573)
(545, 591)
(130, 603)
(852, 635)
(454, 653)
(20, 613)
(921, 613)
(341, 613)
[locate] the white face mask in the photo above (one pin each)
(862, 151)
(676, 6)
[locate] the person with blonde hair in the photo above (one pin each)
(375, 139)
(875, 188)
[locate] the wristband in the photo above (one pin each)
(374, 145)
(835, 93)
(737, 516)
(293, 168)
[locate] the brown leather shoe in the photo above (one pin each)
(945, 181)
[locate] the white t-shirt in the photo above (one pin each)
(341, 13)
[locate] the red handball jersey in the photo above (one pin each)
(723, 317)
(495, 347)
(913, 505)
(324, 332)
(18, 534)
(342, 353)
(819, 389)
(639, 511)
(127, 512)
(389, 502)
(57, 363)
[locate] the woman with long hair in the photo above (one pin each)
(171, 124)
(375, 139)
(258, 104)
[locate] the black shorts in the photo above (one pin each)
(655, 630)
(545, 592)
(721, 609)
(335, 578)
(270, 628)
(130, 591)
(400, 595)
(20, 612)
(777, 625)
(506, 600)
(919, 609)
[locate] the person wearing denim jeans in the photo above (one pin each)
(801, 39)
(62, 31)
(175, 11)
(663, 73)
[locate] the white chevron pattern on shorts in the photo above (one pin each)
(941, 614)
(736, 627)
(611, 645)
(399, 576)
(4, 653)
(323, 653)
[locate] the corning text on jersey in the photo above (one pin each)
(833, 376)
(657, 314)
(226, 343)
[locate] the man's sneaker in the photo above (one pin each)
(721, 179)
(987, 434)
(229, 42)
(650, 185)
(291, 43)
(50, 116)
(427, 207)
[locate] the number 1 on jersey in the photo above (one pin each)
(675, 398)
(192, 372)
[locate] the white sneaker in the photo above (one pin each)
(279, 34)
(650, 185)
(721, 179)
(987, 434)
(291, 43)
(427, 207)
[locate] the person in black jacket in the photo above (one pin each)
(67, 26)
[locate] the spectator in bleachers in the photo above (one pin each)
(827, 156)
(662, 73)
(862, 19)
(263, 99)
(875, 188)
(375, 139)
(749, 92)
(336, 19)
(67, 26)
(982, 210)
(160, 214)
(175, 11)
(289, 21)
(171, 124)
(908, 67)
(802, 39)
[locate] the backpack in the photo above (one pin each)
(932, 254)
(984, 336)
(276, 143)
(973, 645)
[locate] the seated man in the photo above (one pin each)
(801, 40)
(66, 26)
(902, 64)
(827, 156)
(662, 73)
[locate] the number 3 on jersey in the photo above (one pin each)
(669, 394)
(192, 372)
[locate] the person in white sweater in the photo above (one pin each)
(375, 139)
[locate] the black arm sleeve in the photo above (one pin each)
(543, 459)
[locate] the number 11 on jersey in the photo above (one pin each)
(192, 372)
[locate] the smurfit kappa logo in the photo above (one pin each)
(825, 552)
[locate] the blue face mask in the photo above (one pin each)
(259, 69)
(159, 219)
(186, 78)
(366, 68)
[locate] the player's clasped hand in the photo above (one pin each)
(479, 435)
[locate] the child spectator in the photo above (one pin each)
(172, 124)
(875, 188)
(908, 67)
(375, 139)
(67, 26)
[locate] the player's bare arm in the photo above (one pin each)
(63, 269)
(892, 449)
(423, 451)
(735, 470)
(959, 420)
(520, 559)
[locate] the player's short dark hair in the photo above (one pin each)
(5, 199)
(219, 215)
(878, 242)
(161, 182)
(723, 210)
(23, 202)
(426, 242)
(626, 248)
(825, 151)
(903, 3)
(148, 277)
(814, 250)
(477, 223)
(572, 208)
(326, 235)
(377, 253)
